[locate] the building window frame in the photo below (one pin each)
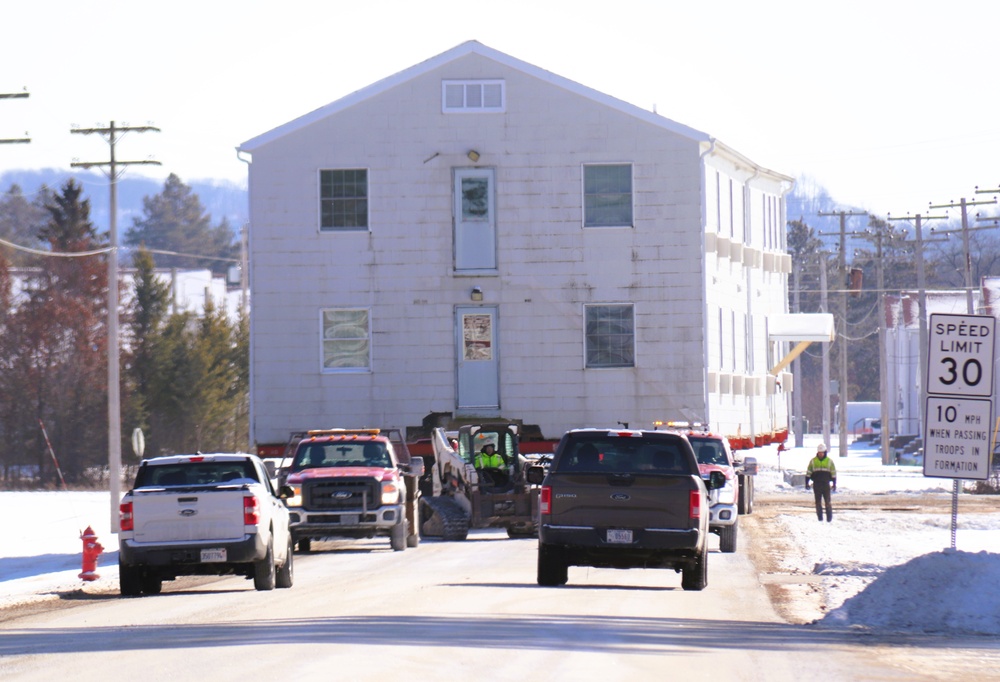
(474, 96)
(343, 200)
(609, 335)
(608, 194)
(345, 340)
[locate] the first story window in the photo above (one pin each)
(346, 338)
(610, 336)
(343, 199)
(607, 195)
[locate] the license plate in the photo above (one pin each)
(619, 536)
(348, 519)
(209, 556)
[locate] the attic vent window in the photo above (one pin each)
(474, 96)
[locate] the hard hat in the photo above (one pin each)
(821, 447)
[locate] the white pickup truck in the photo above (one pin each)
(203, 515)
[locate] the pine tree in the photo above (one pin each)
(176, 221)
(54, 347)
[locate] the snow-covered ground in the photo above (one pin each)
(885, 568)
(876, 567)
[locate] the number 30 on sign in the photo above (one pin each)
(960, 357)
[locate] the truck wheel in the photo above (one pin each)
(263, 570)
(397, 536)
(129, 580)
(552, 568)
(695, 576)
(151, 583)
(727, 538)
(286, 574)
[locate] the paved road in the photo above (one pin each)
(443, 611)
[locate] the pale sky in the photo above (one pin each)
(888, 104)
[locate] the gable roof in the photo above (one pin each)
(467, 48)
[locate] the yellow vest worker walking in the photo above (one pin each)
(823, 474)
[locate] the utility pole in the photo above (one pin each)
(880, 233)
(112, 134)
(15, 140)
(922, 305)
(842, 324)
(824, 308)
(970, 309)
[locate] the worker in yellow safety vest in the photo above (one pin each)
(823, 474)
(488, 458)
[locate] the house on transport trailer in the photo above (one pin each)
(478, 237)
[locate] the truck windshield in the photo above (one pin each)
(708, 451)
(342, 454)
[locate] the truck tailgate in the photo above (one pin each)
(625, 501)
(209, 514)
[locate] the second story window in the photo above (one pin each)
(607, 195)
(473, 96)
(343, 199)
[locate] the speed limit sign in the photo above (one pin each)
(960, 356)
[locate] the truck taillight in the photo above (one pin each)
(545, 500)
(251, 511)
(125, 520)
(694, 505)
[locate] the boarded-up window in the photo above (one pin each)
(346, 339)
(610, 336)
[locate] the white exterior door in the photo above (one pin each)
(475, 222)
(478, 360)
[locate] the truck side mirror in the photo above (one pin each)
(716, 480)
(285, 492)
(535, 474)
(750, 466)
(417, 466)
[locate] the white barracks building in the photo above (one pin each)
(477, 237)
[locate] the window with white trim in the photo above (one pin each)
(473, 96)
(609, 336)
(346, 339)
(607, 195)
(343, 199)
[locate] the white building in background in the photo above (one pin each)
(905, 378)
(477, 237)
(190, 290)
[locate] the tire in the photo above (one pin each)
(151, 583)
(397, 536)
(286, 574)
(129, 580)
(305, 545)
(694, 578)
(263, 570)
(727, 538)
(552, 568)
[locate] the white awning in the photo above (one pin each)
(796, 327)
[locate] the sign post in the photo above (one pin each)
(959, 408)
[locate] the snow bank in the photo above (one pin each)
(943, 592)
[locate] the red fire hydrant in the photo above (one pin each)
(91, 550)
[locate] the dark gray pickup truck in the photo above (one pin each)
(623, 499)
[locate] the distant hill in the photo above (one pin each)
(220, 199)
